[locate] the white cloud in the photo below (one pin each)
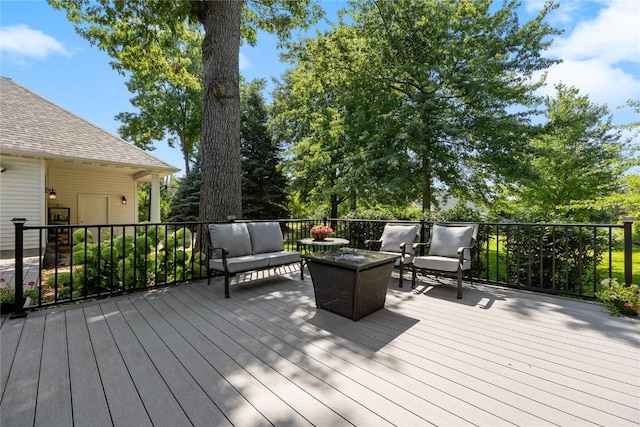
(23, 42)
(245, 63)
(611, 36)
(601, 55)
(564, 14)
(603, 83)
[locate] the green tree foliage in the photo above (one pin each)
(153, 255)
(575, 161)
(263, 183)
(332, 158)
(137, 34)
(144, 201)
(185, 205)
(166, 108)
(433, 92)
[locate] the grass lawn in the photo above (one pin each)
(617, 265)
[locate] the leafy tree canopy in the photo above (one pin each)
(140, 36)
(578, 158)
(434, 93)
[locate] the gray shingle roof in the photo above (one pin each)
(30, 125)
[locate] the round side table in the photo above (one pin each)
(309, 244)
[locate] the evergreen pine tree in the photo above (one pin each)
(185, 205)
(263, 184)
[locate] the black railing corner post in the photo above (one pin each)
(19, 276)
(423, 232)
(628, 249)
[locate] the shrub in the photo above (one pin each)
(618, 298)
(542, 256)
(130, 261)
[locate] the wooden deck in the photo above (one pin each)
(186, 356)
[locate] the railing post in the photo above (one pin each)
(628, 249)
(19, 277)
(421, 239)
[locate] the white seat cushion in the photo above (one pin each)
(395, 234)
(440, 263)
(446, 240)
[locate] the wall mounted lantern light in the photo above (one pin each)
(123, 200)
(52, 193)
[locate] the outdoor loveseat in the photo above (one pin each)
(241, 247)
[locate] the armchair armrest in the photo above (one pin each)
(368, 242)
(466, 248)
(417, 245)
(403, 248)
(224, 252)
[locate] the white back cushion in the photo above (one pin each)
(446, 240)
(265, 237)
(234, 237)
(395, 234)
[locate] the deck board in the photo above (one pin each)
(162, 344)
(54, 386)
(89, 400)
(18, 404)
(284, 378)
(125, 404)
(9, 339)
(431, 386)
(338, 386)
(267, 356)
(140, 352)
(213, 369)
(259, 383)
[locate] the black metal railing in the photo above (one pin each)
(568, 259)
(85, 262)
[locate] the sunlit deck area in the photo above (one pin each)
(267, 356)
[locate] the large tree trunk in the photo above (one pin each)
(221, 187)
(334, 206)
(185, 155)
(426, 184)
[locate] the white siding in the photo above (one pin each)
(71, 179)
(21, 196)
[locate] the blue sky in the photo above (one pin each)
(40, 50)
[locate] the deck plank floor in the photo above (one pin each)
(267, 356)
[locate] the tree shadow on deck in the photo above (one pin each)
(575, 314)
(445, 288)
(360, 331)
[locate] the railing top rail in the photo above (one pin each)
(139, 224)
(554, 224)
(525, 224)
(372, 220)
(182, 224)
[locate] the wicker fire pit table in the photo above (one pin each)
(350, 282)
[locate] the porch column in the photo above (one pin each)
(155, 198)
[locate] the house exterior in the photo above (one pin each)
(45, 148)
